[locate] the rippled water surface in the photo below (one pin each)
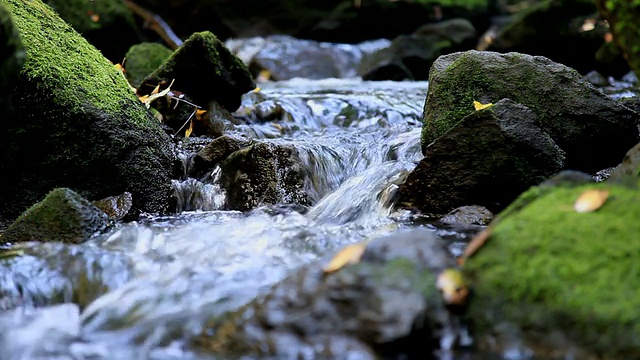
(146, 287)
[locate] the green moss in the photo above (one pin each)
(64, 66)
(549, 268)
(143, 59)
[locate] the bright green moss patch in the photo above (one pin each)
(548, 268)
(143, 59)
(64, 66)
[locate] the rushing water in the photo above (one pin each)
(145, 287)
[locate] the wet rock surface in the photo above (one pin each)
(62, 215)
(96, 138)
(469, 215)
(592, 129)
(205, 70)
(215, 152)
(386, 305)
(567, 286)
(489, 158)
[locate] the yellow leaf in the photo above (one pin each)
(155, 94)
(452, 286)
(591, 200)
(479, 106)
(349, 254)
(201, 115)
(189, 130)
(156, 90)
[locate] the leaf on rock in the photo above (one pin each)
(479, 106)
(591, 200)
(452, 286)
(155, 94)
(348, 255)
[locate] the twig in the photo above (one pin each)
(155, 23)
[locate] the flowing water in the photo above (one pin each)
(144, 288)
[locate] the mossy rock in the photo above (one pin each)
(594, 130)
(62, 215)
(77, 123)
(107, 24)
(558, 281)
(205, 70)
(143, 59)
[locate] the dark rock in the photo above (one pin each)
(77, 124)
(116, 207)
(386, 304)
(215, 152)
(205, 70)
(63, 216)
(107, 24)
(143, 59)
(596, 79)
(561, 38)
(487, 159)
(594, 130)
(471, 214)
(11, 60)
(629, 168)
(411, 56)
(263, 174)
(556, 282)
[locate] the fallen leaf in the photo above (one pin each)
(349, 254)
(475, 244)
(479, 106)
(189, 130)
(591, 200)
(147, 99)
(201, 115)
(452, 286)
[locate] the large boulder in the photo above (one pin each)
(594, 130)
(488, 159)
(205, 70)
(557, 283)
(62, 215)
(77, 123)
(385, 306)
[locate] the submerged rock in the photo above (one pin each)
(385, 305)
(263, 174)
(205, 70)
(558, 283)
(214, 153)
(77, 124)
(487, 159)
(592, 129)
(62, 215)
(470, 215)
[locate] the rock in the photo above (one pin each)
(488, 158)
(629, 169)
(214, 153)
(108, 25)
(143, 59)
(77, 124)
(596, 79)
(559, 283)
(387, 305)
(205, 70)
(593, 130)
(263, 174)
(470, 214)
(63, 215)
(411, 56)
(116, 207)
(561, 39)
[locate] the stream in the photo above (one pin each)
(143, 289)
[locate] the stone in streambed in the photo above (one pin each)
(487, 159)
(62, 215)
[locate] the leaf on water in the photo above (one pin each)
(479, 106)
(348, 255)
(476, 243)
(189, 130)
(452, 286)
(591, 200)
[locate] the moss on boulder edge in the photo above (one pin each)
(564, 281)
(594, 130)
(77, 123)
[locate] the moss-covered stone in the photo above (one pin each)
(565, 282)
(107, 24)
(62, 215)
(205, 70)
(77, 123)
(143, 59)
(594, 130)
